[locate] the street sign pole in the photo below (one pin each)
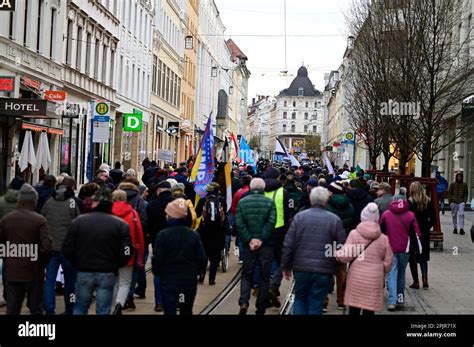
(354, 155)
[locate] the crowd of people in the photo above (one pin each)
(340, 231)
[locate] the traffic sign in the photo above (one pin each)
(102, 108)
(349, 136)
(132, 122)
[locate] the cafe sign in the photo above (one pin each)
(28, 108)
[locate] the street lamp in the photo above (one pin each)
(189, 42)
(231, 90)
(214, 71)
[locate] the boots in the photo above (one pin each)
(414, 274)
(424, 274)
(117, 310)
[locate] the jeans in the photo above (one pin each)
(257, 275)
(57, 258)
(122, 286)
(311, 289)
(103, 284)
(263, 256)
(180, 295)
(16, 292)
(158, 296)
(455, 208)
(396, 279)
(139, 280)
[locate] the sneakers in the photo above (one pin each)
(341, 307)
(455, 231)
(159, 308)
(461, 232)
(241, 262)
(117, 310)
(392, 308)
(325, 309)
(274, 299)
(129, 305)
(243, 310)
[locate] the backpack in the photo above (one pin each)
(213, 212)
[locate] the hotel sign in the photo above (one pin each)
(7, 5)
(28, 108)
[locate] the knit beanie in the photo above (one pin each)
(177, 209)
(272, 173)
(27, 194)
(370, 213)
(104, 194)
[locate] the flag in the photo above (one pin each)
(203, 170)
(327, 162)
(280, 150)
(224, 179)
(236, 155)
(294, 162)
(246, 154)
(225, 155)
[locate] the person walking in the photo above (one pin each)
(178, 259)
(305, 253)
(369, 256)
(457, 197)
(97, 245)
(45, 188)
(402, 229)
(60, 211)
(424, 210)
(212, 229)
(358, 197)
(255, 220)
(116, 174)
(125, 211)
(24, 275)
(339, 204)
(441, 188)
(384, 197)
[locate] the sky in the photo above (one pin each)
(320, 53)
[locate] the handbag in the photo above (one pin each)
(361, 252)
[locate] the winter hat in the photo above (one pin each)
(177, 209)
(104, 194)
(17, 183)
(356, 183)
(336, 188)
(272, 173)
(402, 195)
(385, 186)
(374, 185)
(172, 182)
(370, 213)
(312, 183)
(27, 194)
(163, 185)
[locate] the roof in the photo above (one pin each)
(235, 51)
(301, 81)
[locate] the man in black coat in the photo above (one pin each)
(358, 197)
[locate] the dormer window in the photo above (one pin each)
(300, 91)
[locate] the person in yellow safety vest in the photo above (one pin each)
(275, 191)
(353, 174)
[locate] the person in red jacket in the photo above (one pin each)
(233, 210)
(125, 211)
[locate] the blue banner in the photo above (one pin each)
(246, 154)
(205, 164)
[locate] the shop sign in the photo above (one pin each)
(30, 108)
(55, 95)
(132, 122)
(71, 110)
(7, 5)
(173, 128)
(7, 84)
(30, 82)
(165, 155)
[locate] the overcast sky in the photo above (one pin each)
(267, 54)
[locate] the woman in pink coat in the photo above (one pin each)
(370, 256)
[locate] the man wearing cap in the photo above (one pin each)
(24, 273)
(384, 197)
(339, 204)
(97, 245)
(305, 203)
(156, 217)
(178, 258)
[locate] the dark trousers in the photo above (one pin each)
(16, 292)
(180, 295)
(355, 311)
(141, 279)
(214, 258)
(263, 256)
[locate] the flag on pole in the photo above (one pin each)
(236, 156)
(327, 162)
(203, 170)
(246, 154)
(224, 179)
(225, 155)
(280, 149)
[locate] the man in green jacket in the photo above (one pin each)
(339, 204)
(255, 221)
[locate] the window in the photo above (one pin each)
(294, 103)
(51, 37)
(120, 78)
(300, 91)
(313, 117)
(167, 86)
(319, 103)
(315, 129)
(305, 128)
(69, 42)
(133, 82)
(285, 114)
(25, 24)
(306, 115)
(293, 128)
(293, 115)
(139, 85)
(38, 33)
(112, 68)
(104, 65)
(315, 105)
(284, 128)
(307, 104)
(154, 74)
(285, 103)
(163, 80)
(96, 60)
(10, 28)
(88, 53)
(79, 48)
(179, 92)
(158, 82)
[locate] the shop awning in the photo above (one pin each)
(40, 128)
